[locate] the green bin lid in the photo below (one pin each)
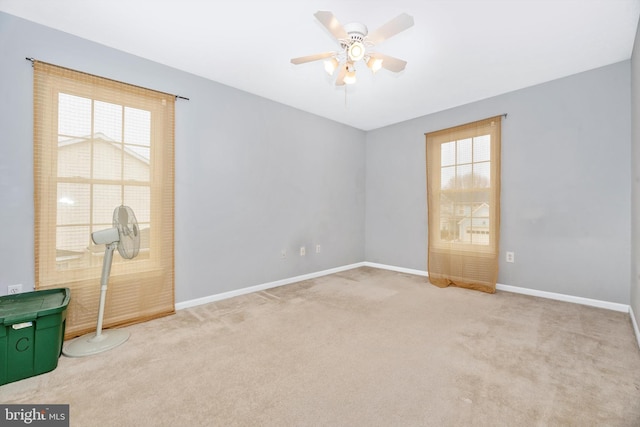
(31, 305)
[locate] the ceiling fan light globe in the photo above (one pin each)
(356, 51)
(330, 66)
(374, 64)
(350, 78)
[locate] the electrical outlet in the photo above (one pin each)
(14, 289)
(318, 249)
(303, 251)
(510, 257)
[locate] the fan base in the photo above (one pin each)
(89, 344)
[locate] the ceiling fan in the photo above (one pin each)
(356, 44)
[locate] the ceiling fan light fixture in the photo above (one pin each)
(354, 40)
(374, 63)
(356, 51)
(350, 77)
(330, 66)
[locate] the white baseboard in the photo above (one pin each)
(262, 287)
(398, 269)
(507, 288)
(635, 325)
(525, 291)
(567, 298)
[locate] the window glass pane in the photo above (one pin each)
(478, 226)
(71, 241)
(448, 178)
(138, 198)
(136, 163)
(74, 157)
(137, 129)
(145, 239)
(464, 178)
(448, 154)
(446, 204)
(482, 148)
(105, 199)
(74, 115)
(464, 154)
(107, 160)
(73, 203)
(108, 121)
(463, 210)
(482, 175)
(447, 218)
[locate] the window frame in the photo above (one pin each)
(49, 260)
(454, 135)
(463, 133)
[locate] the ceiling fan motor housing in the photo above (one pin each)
(356, 31)
(355, 46)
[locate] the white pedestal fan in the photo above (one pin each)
(126, 237)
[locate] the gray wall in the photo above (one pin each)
(635, 184)
(253, 177)
(566, 184)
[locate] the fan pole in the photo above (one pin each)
(104, 281)
(124, 227)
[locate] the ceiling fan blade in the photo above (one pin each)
(391, 28)
(331, 23)
(311, 58)
(341, 75)
(390, 63)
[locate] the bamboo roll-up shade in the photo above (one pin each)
(99, 144)
(463, 198)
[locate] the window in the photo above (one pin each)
(463, 185)
(99, 144)
(104, 153)
(465, 169)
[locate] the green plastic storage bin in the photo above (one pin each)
(31, 332)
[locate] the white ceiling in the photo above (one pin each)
(458, 51)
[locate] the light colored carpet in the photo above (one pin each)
(365, 347)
